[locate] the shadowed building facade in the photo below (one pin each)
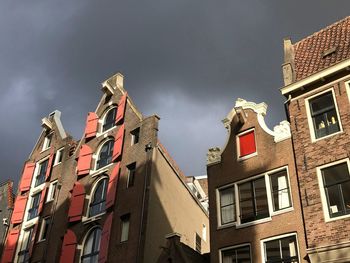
(6, 207)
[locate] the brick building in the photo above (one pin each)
(6, 207)
(108, 197)
(316, 85)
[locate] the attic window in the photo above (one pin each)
(246, 144)
(329, 51)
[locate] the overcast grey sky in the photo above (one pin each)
(186, 60)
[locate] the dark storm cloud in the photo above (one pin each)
(185, 60)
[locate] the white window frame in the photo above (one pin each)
(309, 118)
(133, 136)
(322, 191)
(53, 184)
(262, 247)
(58, 156)
(235, 247)
(82, 245)
(47, 141)
(239, 157)
(42, 226)
(37, 165)
(101, 121)
(96, 157)
(218, 205)
(90, 196)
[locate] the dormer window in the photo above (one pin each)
(109, 120)
(105, 154)
(246, 144)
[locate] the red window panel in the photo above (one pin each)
(247, 144)
(49, 166)
(10, 246)
(84, 160)
(42, 200)
(27, 177)
(112, 186)
(18, 210)
(106, 233)
(121, 108)
(68, 247)
(118, 143)
(77, 203)
(91, 125)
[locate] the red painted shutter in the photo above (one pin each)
(27, 177)
(84, 161)
(121, 108)
(112, 186)
(77, 203)
(42, 200)
(247, 144)
(18, 210)
(49, 165)
(10, 246)
(106, 233)
(68, 247)
(118, 143)
(91, 125)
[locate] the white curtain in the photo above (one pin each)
(227, 207)
(283, 192)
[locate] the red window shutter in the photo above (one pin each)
(42, 200)
(77, 203)
(118, 143)
(68, 247)
(112, 186)
(106, 233)
(84, 161)
(49, 165)
(27, 177)
(121, 109)
(91, 125)
(247, 144)
(10, 246)
(18, 210)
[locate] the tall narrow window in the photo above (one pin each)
(324, 115)
(52, 191)
(281, 250)
(23, 254)
(47, 142)
(336, 182)
(41, 172)
(280, 190)
(227, 205)
(237, 255)
(105, 155)
(92, 246)
(44, 228)
(59, 156)
(253, 200)
(131, 175)
(34, 206)
(198, 243)
(98, 202)
(135, 136)
(109, 120)
(246, 144)
(125, 220)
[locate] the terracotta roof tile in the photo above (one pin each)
(309, 52)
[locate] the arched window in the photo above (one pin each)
(98, 201)
(105, 155)
(92, 246)
(109, 120)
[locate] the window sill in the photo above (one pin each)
(226, 225)
(239, 159)
(260, 221)
(37, 189)
(105, 133)
(101, 170)
(87, 220)
(331, 219)
(282, 211)
(31, 222)
(44, 150)
(56, 164)
(313, 139)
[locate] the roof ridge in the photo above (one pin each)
(322, 30)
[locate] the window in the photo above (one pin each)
(324, 115)
(204, 232)
(109, 120)
(198, 243)
(246, 144)
(253, 200)
(59, 156)
(105, 155)
(281, 250)
(44, 228)
(41, 172)
(336, 182)
(92, 246)
(135, 136)
(98, 202)
(51, 195)
(47, 142)
(131, 175)
(125, 228)
(227, 205)
(280, 190)
(237, 255)
(34, 206)
(23, 254)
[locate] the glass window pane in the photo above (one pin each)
(346, 195)
(236, 255)
(289, 249)
(227, 214)
(322, 103)
(106, 152)
(335, 174)
(227, 196)
(262, 207)
(243, 255)
(334, 200)
(273, 253)
(280, 190)
(110, 119)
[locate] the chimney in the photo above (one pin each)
(288, 65)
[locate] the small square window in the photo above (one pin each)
(324, 115)
(246, 144)
(59, 156)
(52, 191)
(131, 175)
(44, 228)
(125, 223)
(135, 136)
(47, 142)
